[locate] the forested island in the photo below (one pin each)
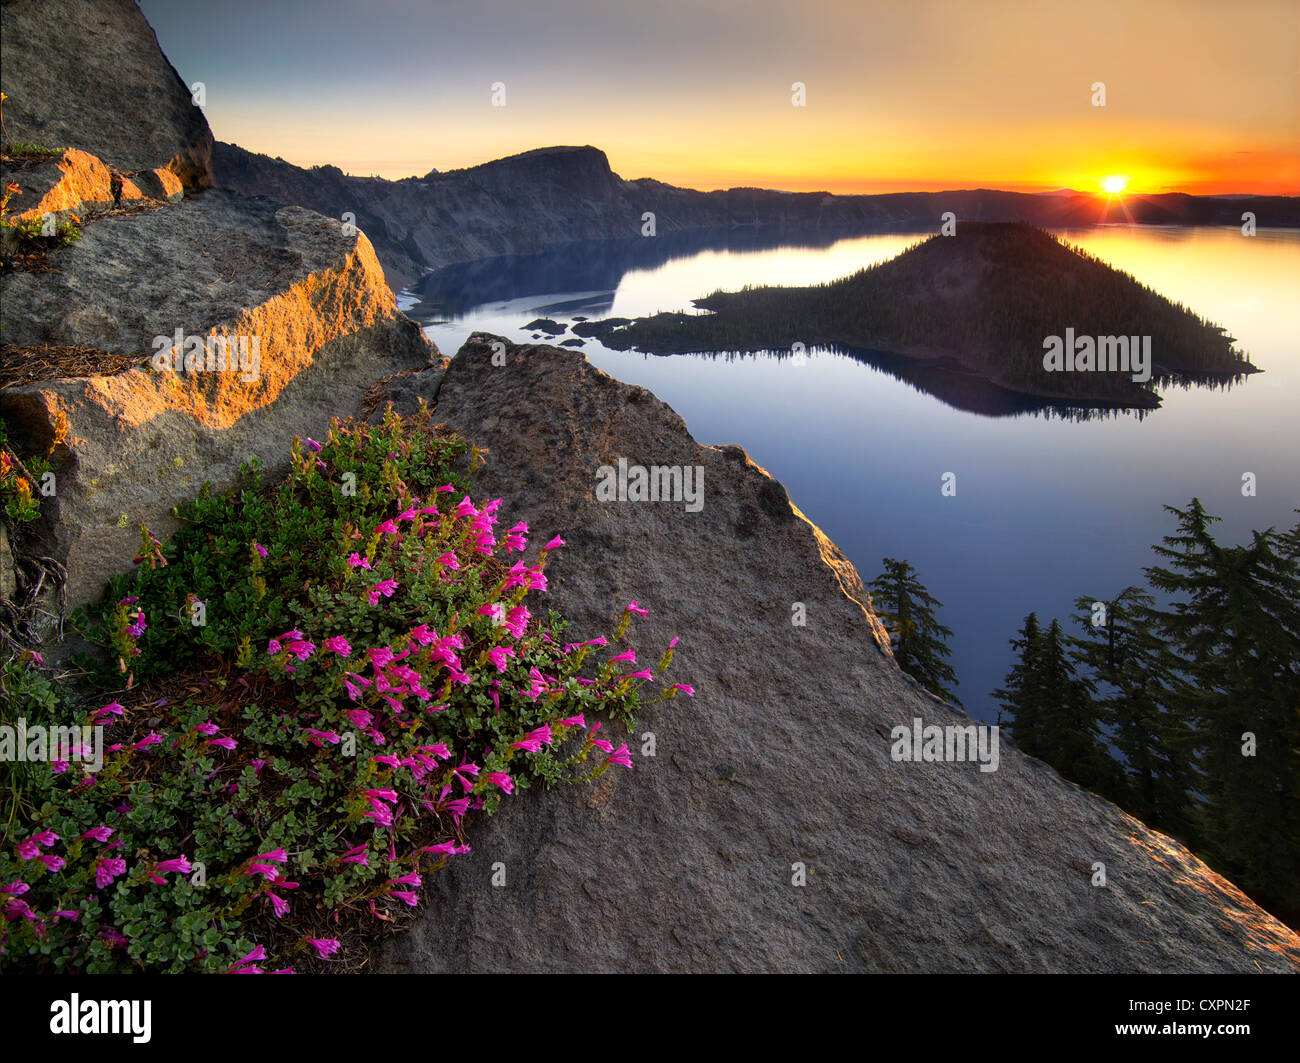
(989, 298)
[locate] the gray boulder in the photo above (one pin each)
(311, 326)
(783, 756)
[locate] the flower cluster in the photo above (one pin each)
(377, 674)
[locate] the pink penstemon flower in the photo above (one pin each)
(357, 561)
(360, 717)
(468, 769)
(31, 848)
(517, 620)
(165, 867)
(448, 848)
(515, 538)
(501, 779)
(498, 654)
(386, 588)
(301, 648)
(243, 966)
(412, 878)
(534, 739)
(108, 868)
(621, 756)
(325, 947)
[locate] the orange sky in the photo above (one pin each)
(925, 95)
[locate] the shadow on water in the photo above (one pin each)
(961, 389)
(596, 267)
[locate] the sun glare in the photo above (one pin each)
(1115, 184)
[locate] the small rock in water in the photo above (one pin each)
(546, 324)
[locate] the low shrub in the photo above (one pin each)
(324, 681)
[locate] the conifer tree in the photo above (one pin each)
(1055, 718)
(1131, 670)
(1235, 622)
(907, 610)
(1021, 697)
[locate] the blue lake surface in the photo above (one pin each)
(1046, 509)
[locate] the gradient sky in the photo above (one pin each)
(1202, 95)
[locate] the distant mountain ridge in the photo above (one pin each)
(551, 196)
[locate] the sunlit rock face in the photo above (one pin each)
(307, 322)
(181, 334)
(784, 759)
(89, 74)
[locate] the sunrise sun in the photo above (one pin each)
(1115, 184)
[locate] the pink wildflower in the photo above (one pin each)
(385, 588)
(502, 780)
(238, 967)
(498, 654)
(325, 947)
(535, 739)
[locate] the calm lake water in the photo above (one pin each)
(1047, 509)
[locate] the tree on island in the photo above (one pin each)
(907, 610)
